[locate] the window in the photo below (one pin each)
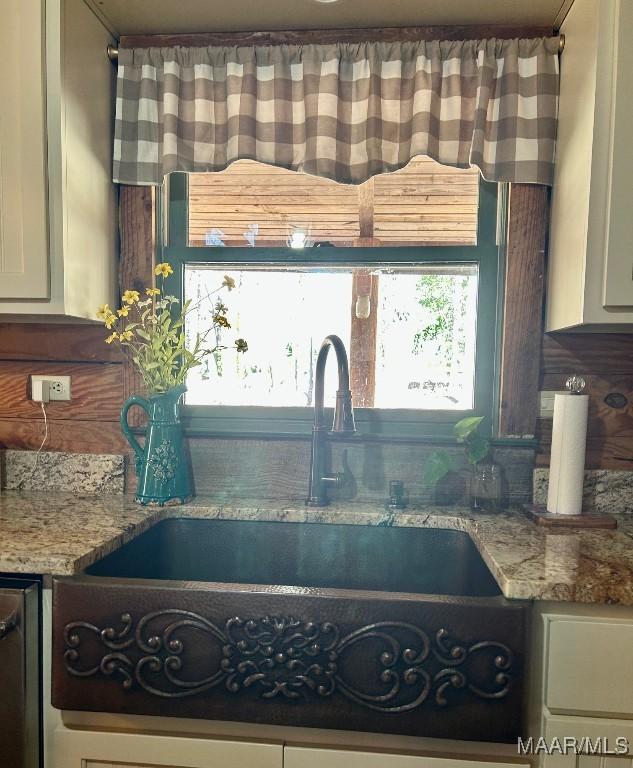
(404, 269)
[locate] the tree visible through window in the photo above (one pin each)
(410, 333)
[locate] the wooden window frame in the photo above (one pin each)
(525, 229)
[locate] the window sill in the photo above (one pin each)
(399, 427)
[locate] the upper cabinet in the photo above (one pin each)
(58, 205)
(590, 272)
(23, 214)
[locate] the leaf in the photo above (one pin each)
(437, 466)
(477, 449)
(466, 427)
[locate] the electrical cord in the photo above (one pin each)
(38, 452)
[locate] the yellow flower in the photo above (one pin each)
(125, 336)
(241, 345)
(103, 311)
(152, 291)
(111, 338)
(129, 297)
(163, 269)
(221, 321)
(110, 321)
(123, 312)
(228, 282)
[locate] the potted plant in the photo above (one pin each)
(150, 329)
(485, 483)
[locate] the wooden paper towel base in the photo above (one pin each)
(541, 516)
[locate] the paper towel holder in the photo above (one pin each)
(575, 385)
(541, 516)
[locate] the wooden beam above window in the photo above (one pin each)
(329, 36)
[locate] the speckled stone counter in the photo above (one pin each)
(61, 534)
(63, 472)
(604, 490)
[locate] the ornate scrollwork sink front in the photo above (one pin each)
(164, 627)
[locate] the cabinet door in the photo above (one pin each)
(590, 667)
(95, 749)
(585, 761)
(314, 757)
(23, 207)
(618, 282)
(600, 742)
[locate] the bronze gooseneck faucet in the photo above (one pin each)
(320, 477)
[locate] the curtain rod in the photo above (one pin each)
(113, 50)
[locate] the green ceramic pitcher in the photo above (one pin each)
(162, 463)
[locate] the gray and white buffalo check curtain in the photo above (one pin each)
(345, 111)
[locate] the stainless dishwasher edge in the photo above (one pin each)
(20, 674)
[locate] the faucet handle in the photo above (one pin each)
(337, 480)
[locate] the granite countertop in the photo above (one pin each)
(61, 534)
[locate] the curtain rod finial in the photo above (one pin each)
(561, 43)
(113, 52)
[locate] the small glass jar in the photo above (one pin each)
(485, 487)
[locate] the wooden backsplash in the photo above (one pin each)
(606, 363)
(90, 422)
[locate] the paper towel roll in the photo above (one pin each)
(567, 462)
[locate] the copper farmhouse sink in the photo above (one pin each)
(422, 560)
(395, 630)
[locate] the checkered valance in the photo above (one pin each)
(346, 111)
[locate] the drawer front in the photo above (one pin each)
(96, 749)
(590, 667)
(607, 743)
(314, 757)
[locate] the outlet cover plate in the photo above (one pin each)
(59, 386)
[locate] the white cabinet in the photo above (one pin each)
(608, 739)
(109, 749)
(98, 749)
(590, 667)
(590, 270)
(58, 205)
(317, 757)
(581, 673)
(23, 210)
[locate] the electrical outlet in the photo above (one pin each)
(58, 386)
